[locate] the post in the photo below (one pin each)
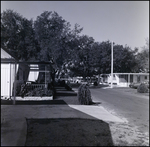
(45, 79)
(98, 79)
(45, 76)
(128, 80)
(14, 100)
(10, 83)
(112, 64)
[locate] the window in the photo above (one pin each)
(145, 77)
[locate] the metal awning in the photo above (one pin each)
(32, 68)
(24, 62)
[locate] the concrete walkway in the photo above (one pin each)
(13, 117)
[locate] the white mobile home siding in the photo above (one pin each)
(7, 78)
(124, 79)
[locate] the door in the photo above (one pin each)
(5, 80)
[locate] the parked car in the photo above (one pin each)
(77, 79)
(135, 85)
(84, 82)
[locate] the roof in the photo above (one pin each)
(128, 74)
(132, 73)
(5, 56)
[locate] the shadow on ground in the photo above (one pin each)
(52, 125)
(68, 132)
(99, 86)
(45, 102)
(65, 93)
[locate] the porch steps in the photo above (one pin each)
(62, 91)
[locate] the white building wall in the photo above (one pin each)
(134, 78)
(125, 82)
(143, 78)
(7, 79)
(117, 78)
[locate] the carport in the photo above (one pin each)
(16, 64)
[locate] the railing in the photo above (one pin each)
(33, 86)
(29, 87)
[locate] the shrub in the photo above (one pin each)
(142, 88)
(84, 95)
(40, 92)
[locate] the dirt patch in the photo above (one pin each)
(124, 134)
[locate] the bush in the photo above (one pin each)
(84, 95)
(142, 88)
(39, 92)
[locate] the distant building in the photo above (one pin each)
(124, 79)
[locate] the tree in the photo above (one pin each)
(124, 59)
(17, 35)
(50, 38)
(142, 58)
(80, 63)
(54, 38)
(99, 58)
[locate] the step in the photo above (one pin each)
(66, 93)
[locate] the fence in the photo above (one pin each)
(33, 86)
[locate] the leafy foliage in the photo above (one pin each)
(142, 59)
(124, 60)
(17, 35)
(142, 88)
(84, 95)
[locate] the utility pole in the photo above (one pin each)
(112, 64)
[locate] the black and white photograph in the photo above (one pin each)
(74, 73)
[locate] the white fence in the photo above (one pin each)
(33, 86)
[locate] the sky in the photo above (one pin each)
(123, 22)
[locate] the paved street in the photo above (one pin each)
(126, 103)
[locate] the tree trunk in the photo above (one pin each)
(98, 78)
(53, 73)
(41, 75)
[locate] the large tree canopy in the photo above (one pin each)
(53, 35)
(50, 38)
(95, 58)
